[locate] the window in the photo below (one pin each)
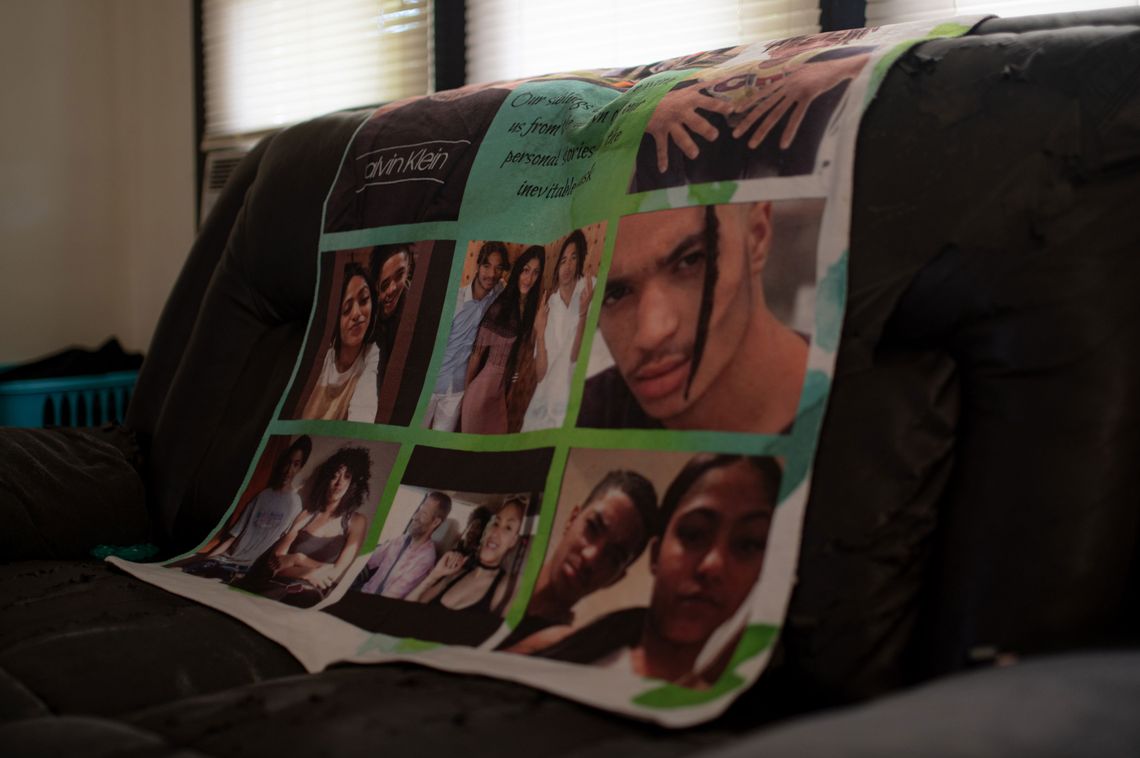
(268, 63)
(508, 39)
(898, 11)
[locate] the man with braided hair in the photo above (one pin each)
(685, 319)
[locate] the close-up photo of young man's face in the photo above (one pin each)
(680, 300)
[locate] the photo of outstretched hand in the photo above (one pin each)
(764, 118)
(795, 93)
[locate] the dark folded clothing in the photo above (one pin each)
(109, 358)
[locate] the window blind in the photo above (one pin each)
(507, 39)
(896, 11)
(274, 62)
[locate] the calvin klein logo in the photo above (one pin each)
(418, 162)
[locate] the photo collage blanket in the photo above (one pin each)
(569, 355)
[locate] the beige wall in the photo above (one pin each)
(96, 169)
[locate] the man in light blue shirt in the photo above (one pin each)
(473, 301)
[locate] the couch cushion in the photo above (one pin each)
(353, 710)
(82, 638)
(63, 491)
(1047, 708)
(50, 737)
(16, 702)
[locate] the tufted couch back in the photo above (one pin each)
(975, 490)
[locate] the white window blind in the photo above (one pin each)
(507, 39)
(896, 11)
(274, 62)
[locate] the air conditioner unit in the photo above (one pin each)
(220, 165)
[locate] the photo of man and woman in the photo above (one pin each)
(370, 343)
(758, 115)
(301, 520)
(705, 319)
(516, 334)
(654, 584)
(453, 546)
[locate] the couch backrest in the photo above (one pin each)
(976, 482)
(225, 346)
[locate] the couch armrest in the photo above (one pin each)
(63, 491)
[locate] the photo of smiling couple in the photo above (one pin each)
(371, 339)
(652, 558)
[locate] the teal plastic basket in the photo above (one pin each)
(67, 401)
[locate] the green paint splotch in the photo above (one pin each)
(813, 404)
(384, 643)
(713, 193)
(831, 304)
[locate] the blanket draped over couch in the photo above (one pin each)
(588, 320)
